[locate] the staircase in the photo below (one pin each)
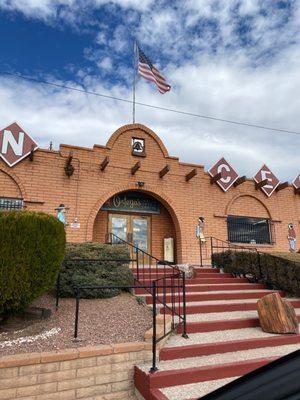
(225, 340)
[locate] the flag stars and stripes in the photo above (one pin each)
(147, 70)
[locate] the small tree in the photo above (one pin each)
(103, 272)
(32, 247)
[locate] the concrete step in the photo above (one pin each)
(221, 325)
(217, 279)
(193, 350)
(208, 288)
(227, 315)
(212, 367)
(230, 305)
(219, 336)
(154, 274)
(200, 270)
(218, 295)
(150, 385)
(194, 390)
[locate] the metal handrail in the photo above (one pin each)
(154, 287)
(216, 244)
(163, 262)
(257, 260)
(177, 278)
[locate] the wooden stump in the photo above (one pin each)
(277, 315)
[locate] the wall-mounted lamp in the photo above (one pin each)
(140, 184)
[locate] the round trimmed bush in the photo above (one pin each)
(103, 272)
(32, 247)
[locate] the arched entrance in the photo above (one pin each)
(140, 219)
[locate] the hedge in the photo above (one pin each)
(31, 252)
(75, 273)
(278, 270)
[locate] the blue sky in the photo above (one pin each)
(233, 59)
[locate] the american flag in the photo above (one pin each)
(150, 72)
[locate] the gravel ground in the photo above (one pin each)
(194, 390)
(225, 315)
(224, 358)
(101, 321)
(218, 336)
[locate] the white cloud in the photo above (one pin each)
(105, 64)
(212, 72)
(140, 5)
(101, 38)
(47, 9)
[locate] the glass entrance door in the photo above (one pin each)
(134, 229)
(119, 226)
(140, 235)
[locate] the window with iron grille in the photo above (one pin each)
(10, 204)
(249, 230)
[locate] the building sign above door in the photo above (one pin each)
(135, 202)
(15, 144)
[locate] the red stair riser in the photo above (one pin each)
(212, 275)
(170, 271)
(190, 297)
(156, 394)
(221, 325)
(161, 269)
(162, 379)
(218, 279)
(142, 383)
(202, 281)
(209, 288)
(171, 353)
(156, 275)
(211, 308)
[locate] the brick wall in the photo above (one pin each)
(8, 187)
(43, 185)
(100, 372)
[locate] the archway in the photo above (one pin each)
(12, 184)
(140, 213)
(249, 221)
(247, 205)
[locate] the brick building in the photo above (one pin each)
(135, 189)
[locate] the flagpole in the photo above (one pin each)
(134, 79)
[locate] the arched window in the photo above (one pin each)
(249, 221)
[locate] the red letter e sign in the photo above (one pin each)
(15, 144)
(266, 174)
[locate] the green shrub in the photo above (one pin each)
(101, 273)
(277, 270)
(31, 252)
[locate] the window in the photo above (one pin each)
(249, 230)
(10, 204)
